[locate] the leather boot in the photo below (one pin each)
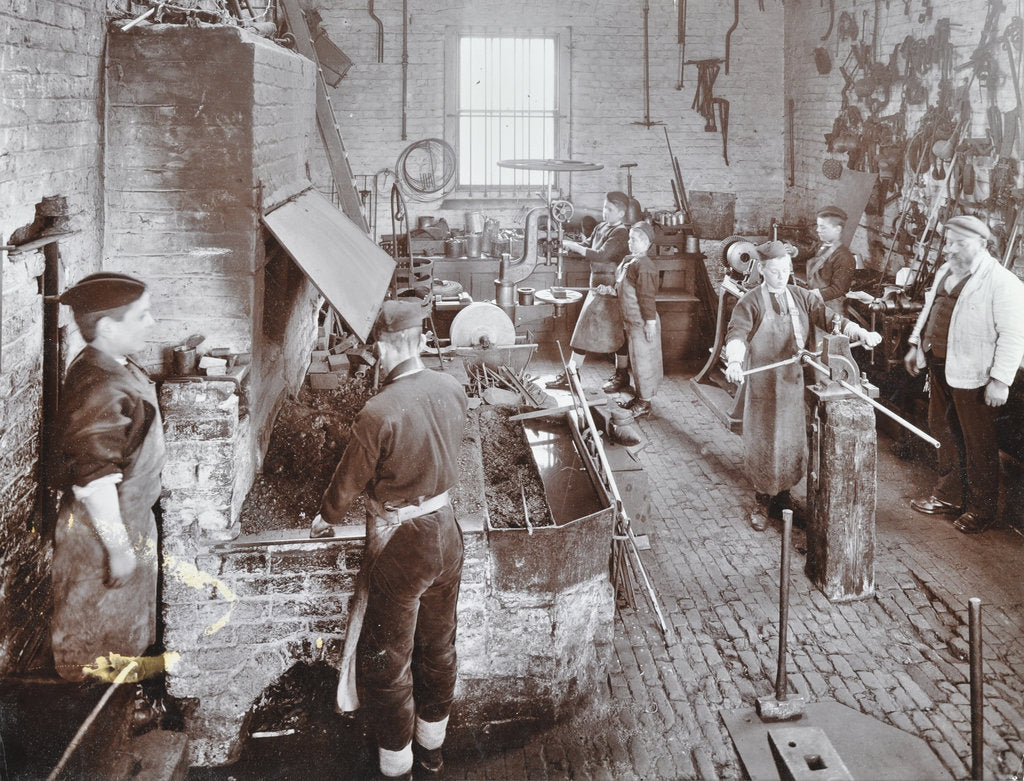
(617, 382)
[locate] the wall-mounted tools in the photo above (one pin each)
(647, 121)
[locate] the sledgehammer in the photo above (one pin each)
(780, 707)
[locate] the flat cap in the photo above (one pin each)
(400, 314)
(103, 291)
(967, 223)
(773, 249)
(644, 227)
(831, 211)
(620, 199)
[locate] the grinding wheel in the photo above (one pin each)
(482, 323)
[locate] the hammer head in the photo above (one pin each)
(771, 709)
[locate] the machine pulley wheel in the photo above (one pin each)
(482, 324)
(561, 211)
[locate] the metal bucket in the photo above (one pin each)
(525, 296)
(692, 244)
(474, 245)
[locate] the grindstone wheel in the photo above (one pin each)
(482, 324)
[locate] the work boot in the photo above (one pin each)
(617, 382)
(429, 762)
(639, 407)
(560, 382)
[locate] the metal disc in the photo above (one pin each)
(550, 165)
(482, 322)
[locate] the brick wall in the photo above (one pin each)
(50, 69)
(202, 126)
(607, 95)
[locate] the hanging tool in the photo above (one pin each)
(681, 38)
(723, 120)
(380, 33)
(647, 121)
(831, 19)
(728, 35)
(703, 97)
(405, 62)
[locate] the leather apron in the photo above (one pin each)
(815, 281)
(774, 436)
(599, 327)
(91, 619)
(378, 533)
(644, 357)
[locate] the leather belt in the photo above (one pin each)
(409, 511)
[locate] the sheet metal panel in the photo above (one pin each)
(344, 264)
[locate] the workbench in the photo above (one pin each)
(684, 335)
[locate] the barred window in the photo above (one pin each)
(508, 96)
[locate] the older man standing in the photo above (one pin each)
(970, 335)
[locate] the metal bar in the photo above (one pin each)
(728, 35)
(405, 63)
(780, 673)
(577, 389)
(977, 691)
(881, 408)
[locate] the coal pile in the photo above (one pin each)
(510, 472)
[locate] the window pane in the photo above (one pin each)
(507, 108)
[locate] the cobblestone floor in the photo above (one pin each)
(900, 656)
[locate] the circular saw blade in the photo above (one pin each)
(482, 323)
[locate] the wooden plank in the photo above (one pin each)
(326, 119)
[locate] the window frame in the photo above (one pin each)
(562, 113)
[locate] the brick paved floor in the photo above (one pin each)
(900, 656)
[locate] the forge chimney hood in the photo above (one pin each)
(344, 264)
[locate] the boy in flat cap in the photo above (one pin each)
(599, 327)
(108, 463)
(970, 335)
(830, 271)
(404, 454)
(769, 324)
(636, 283)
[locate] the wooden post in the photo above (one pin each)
(841, 485)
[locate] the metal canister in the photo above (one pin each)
(455, 247)
(692, 244)
(474, 222)
(525, 296)
(474, 242)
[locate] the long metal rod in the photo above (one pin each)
(977, 692)
(127, 670)
(728, 35)
(781, 682)
(577, 391)
(380, 33)
(881, 408)
(405, 62)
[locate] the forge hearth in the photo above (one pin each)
(535, 608)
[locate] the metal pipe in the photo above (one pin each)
(728, 35)
(881, 408)
(380, 33)
(780, 673)
(977, 691)
(405, 61)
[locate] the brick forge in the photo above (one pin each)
(208, 128)
(535, 612)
